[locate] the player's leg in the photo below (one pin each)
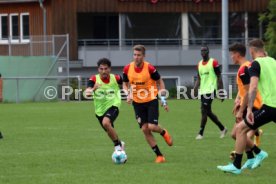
(214, 118)
(203, 118)
(257, 136)
(141, 114)
(261, 117)
(107, 123)
(153, 115)
(250, 147)
(152, 143)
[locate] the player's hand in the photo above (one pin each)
(166, 107)
(237, 101)
(164, 103)
(239, 115)
(250, 116)
(129, 99)
(236, 109)
(88, 92)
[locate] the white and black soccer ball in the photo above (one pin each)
(119, 157)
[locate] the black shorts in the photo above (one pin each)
(262, 116)
(244, 113)
(112, 113)
(146, 112)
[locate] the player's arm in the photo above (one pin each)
(254, 72)
(160, 84)
(91, 86)
(197, 84)
(236, 104)
(126, 86)
(217, 70)
(245, 78)
(119, 80)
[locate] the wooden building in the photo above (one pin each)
(21, 18)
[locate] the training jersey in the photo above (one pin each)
(264, 68)
(242, 79)
(208, 77)
(142, 81)
(107, 95)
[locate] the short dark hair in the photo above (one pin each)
(238, 47)
(257, 43)
(104, 61)
(140, 48)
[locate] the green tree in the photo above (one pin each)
(270, 34)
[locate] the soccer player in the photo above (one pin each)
(141, 81)
(1, 136)
(107, 99)
(262, 76)
(237, 52)
(208, 80)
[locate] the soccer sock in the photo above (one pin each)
(163, 132)
(156, 150)
(237, 161)
(256, 150)
(117, 143)
(250, 154)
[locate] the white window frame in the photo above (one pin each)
(1, 38)
(177, 82)
(21, 28)
(11, 31)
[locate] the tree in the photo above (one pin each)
(270, 34)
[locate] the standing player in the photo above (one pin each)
(140, 82)
(237, 52)
(107, 99)
(262, 76)
(208, 80)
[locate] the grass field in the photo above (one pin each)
(62, 143)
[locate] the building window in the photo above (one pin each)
(205, 28)
(4, 28)
(98, 27)
(153, 28)
(24, 27)
(14, 28)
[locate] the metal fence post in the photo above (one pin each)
(17, 90)
(79, 87)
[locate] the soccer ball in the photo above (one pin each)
(119, 157)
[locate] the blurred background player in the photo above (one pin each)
(141, 81)
(208, 81)
(237, 53)
(262, 77)
(107, 99)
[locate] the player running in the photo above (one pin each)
(237, 52)
(107, 99)
(141, 81)
(262, 76)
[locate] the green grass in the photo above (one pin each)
(48, 143)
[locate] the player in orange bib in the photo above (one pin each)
(237, 52)
(141, 82)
